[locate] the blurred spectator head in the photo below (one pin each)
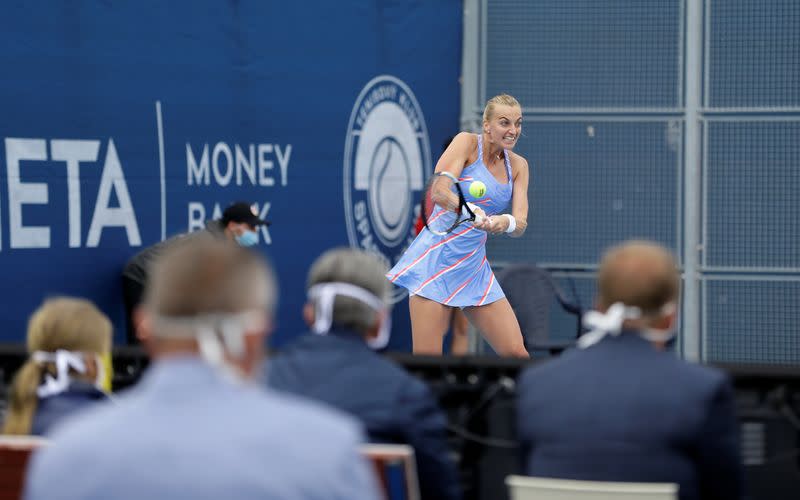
(640, 274)
(213, 298)
(68, 339)
(348, 288)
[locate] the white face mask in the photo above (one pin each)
(323, 294)
(662, 335)
(611, 322)
(216, 335)
(655, 335)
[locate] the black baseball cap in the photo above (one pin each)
(240, 212)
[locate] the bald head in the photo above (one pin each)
(639, 274)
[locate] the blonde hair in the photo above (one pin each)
(498, 100)
(61, 323)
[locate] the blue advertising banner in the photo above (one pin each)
(122, 124)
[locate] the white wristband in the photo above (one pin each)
(512, 223)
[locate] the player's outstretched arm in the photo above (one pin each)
(519, 196)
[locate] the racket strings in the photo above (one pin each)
(443, 221)
(439, 219)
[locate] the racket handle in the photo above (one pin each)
(474, 208)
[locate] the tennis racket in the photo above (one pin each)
(439, 219)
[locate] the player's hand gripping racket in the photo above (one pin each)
(443, 209)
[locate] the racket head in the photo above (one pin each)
(437, 219)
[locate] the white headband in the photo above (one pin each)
(64, 360)
(323, 294)
(611, 322)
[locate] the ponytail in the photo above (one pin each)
(22, 399)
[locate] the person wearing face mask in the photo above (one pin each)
(197, 425)
(620, 406)
(239, 223)
(69, 341)
(451, 271)
(348, 313)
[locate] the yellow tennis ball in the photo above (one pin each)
(477, 189)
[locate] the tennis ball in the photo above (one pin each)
(477, 189)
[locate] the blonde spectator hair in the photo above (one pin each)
(66, 323)
(498, 100)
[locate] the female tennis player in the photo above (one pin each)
(443, 271)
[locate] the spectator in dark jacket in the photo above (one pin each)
(238, 223)
(348, 313)
(621, 407)
(69, 341)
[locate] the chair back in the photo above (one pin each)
(15, 451)
(396, 469)
(531, 292)
(540, 488)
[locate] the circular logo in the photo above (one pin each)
(386, 160)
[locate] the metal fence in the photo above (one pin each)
(676, 121)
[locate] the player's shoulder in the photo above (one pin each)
(466, 136)
(518, 162)
(465, 140)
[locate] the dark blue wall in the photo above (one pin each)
(281, 78)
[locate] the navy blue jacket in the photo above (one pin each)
(53, 409)
(339, 369)
(624, 411)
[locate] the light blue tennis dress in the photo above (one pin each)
(452, 269)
